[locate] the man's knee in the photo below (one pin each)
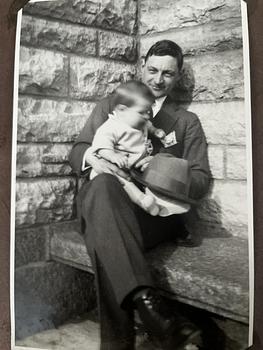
(104, 188)
(105, 181)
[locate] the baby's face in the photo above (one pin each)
(138, 114)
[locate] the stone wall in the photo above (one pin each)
(73, 52)
(210, 33)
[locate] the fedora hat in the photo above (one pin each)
(168, 176)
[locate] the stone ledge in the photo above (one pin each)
(216, 271)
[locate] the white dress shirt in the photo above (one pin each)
(157, 105)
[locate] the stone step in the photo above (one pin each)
(213, 276)
(82, 333)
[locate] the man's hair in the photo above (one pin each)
(126, 93)
(166, 48)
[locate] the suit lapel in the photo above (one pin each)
(167, 116)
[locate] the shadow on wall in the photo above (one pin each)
(205, 220)
(183, 92)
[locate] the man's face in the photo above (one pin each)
(160, 73)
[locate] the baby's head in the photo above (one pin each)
(132, 102)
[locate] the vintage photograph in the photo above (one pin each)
(133, 211)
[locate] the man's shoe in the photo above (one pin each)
(187, 241)
(162, 323)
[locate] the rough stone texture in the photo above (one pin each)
(212, 77)
(216, 161)
(96, 78)
(31, 245)
(117, 46)
(43, 120)
(42, 160)
(216, 36)
(213, 276)
(48, 294)
(215, 228)
(82, 333)
(223, 123)
(58, 36)
(236, 166)
(226, 204)
(163, 15)
(111, 14)
(44, 200)
(62, 251)
(43, 72)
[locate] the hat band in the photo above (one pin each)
(154, 178)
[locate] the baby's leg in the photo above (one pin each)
(145, 201)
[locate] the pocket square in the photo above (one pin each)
(169, 140)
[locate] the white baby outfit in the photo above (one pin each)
(116, 135)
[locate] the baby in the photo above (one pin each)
(123, 138)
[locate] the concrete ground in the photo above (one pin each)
(79, 334)
(83, 334)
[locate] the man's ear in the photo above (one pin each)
(143, 61)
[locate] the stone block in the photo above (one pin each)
(49, 294)
(58, 36)
(93, 78)
(43, 201)
(212, 77)
(226, 205)
(31, 245)
(212, 276)
(216, 161)
(236, 163)
(43, 72)
(42, 159)
(110, 14)
(223, 123)
(215, 36)
(43, 120)
(158, 16)
(117, 46)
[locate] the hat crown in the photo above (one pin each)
(168, 175)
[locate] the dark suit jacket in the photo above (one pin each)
(191, 143)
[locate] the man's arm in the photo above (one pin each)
(98, 116)
(195, 151)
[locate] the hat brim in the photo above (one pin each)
(137, 176)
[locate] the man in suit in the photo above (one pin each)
(117, 232)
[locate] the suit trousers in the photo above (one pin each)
(117, 233)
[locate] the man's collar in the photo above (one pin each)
(159, 101)
(166, 117)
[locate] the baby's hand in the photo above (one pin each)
(159, 133)
(120, 159)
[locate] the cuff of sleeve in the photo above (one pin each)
(85, 166)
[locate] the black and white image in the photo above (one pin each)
(132, 223)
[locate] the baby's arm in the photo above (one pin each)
(104, 143)
(155, 131)
(121, 159)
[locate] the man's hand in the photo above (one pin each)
(101, 166)
(143, 163)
